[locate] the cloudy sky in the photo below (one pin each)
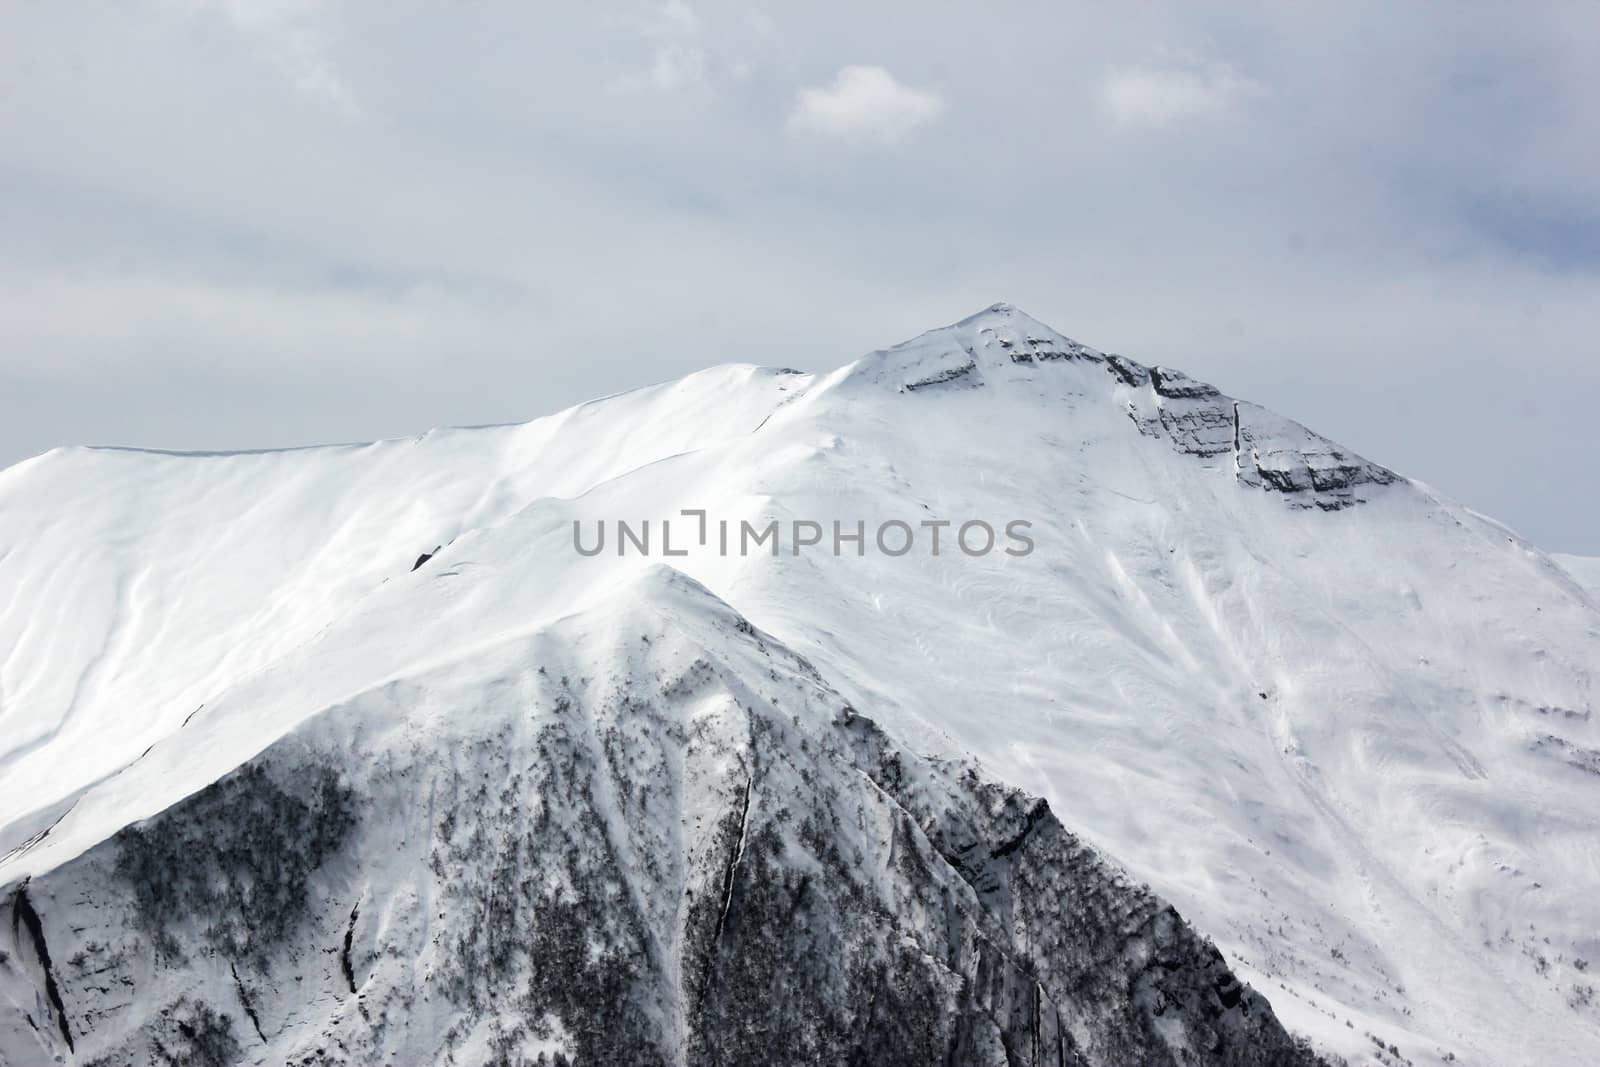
(243, 223)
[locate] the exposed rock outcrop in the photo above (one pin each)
(1195, 418)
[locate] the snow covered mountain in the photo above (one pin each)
(353, 754)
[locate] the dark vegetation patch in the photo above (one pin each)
(818, 968)
(555, 935)
(1062, 936)
(236, 857)
(185, 1033)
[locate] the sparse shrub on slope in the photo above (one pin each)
(235, 857)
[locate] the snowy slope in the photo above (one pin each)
(1344, 725)
(1586, 569)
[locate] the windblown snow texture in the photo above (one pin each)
(345, 755)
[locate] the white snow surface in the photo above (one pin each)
(1356, 747)
(1586, 569)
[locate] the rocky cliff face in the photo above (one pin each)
(709, 859)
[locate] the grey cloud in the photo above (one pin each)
(1388, 232)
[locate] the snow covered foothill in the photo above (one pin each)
(1344, 725)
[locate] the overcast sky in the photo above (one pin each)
(227, 223)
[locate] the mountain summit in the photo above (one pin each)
(352, 754)
(1001, 345)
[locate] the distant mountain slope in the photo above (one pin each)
(1344, 726)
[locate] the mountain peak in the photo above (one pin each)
(1005, 350)
(1003, 314)
(997, 342)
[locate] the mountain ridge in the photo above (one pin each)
(1314, 717)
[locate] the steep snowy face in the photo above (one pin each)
(1344, 726)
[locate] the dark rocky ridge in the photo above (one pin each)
(707, 859)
